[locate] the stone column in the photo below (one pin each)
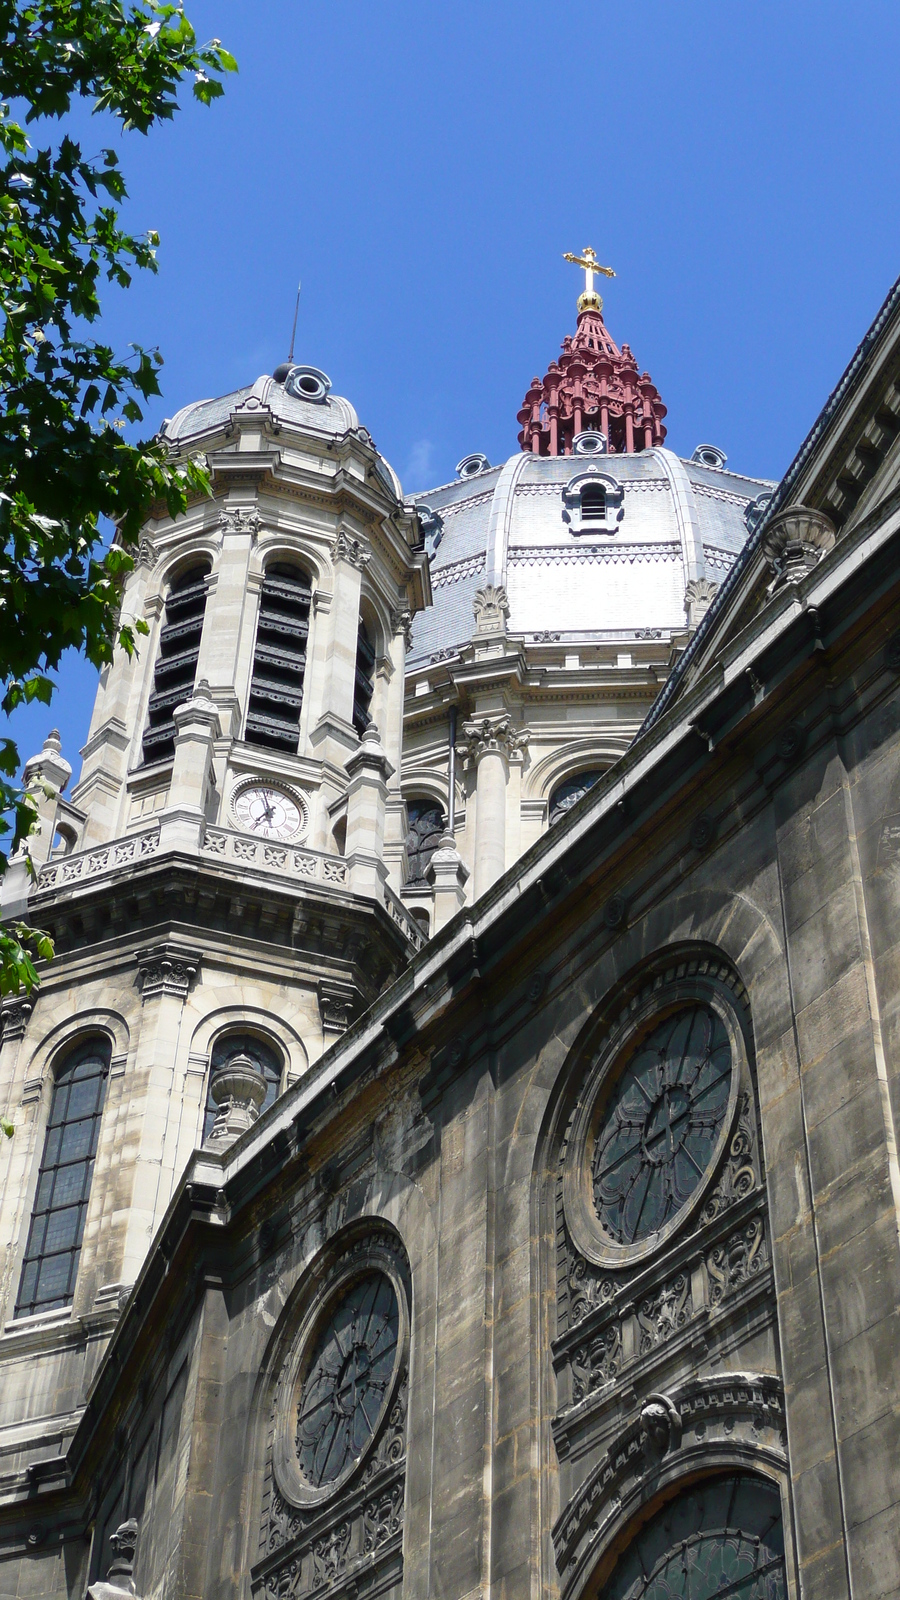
(197, 728)
(100, 790)
(141, 1189)
(368, 771)
(448, 874)
(491, 740)
(334, 733)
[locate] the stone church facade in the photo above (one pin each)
(505, 1200)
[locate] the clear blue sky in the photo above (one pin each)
(422, 167)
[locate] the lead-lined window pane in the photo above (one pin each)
(64, 1181)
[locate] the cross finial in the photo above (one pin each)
(588, 261)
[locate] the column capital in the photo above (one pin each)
(493, 735)
(347, 548)
(167, 969)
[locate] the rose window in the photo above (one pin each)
(347, 1380)
(660, 1126)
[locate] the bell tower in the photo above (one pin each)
(220, 881)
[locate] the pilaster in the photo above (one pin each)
(334, 735)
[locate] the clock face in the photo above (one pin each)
(348, 1380)
(268, 812)
(662, 1125)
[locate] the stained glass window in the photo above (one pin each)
(347, 1379)
(64, 1181)
(426, 827)
(569, 793)
(719, 1540)
(661, 1125)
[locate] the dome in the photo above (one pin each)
(583, 544)
(287, 403)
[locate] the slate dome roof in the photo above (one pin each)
(326, 414)
(519, 525)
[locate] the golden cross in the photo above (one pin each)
(590, 264)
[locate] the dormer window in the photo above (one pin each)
(592, 503)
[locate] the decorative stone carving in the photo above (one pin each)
(240, 519)
(346, 548)
(167, 969)
(588, 1289)
(726, 1410)
(14, 1019)
(740, 1259)
(238, 1089)
(699, 595)
(146, 554)
(401, 622)
(660, 1426)
(330, 1555)
(119, 1578)
(336, 1004)
(490, 735)
(739, 1173)
(662, 1313)
(382, 1518)
(795, 541)
(596, 1362)
(491, 607)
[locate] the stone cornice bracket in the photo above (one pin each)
(337, 1002)
(146, 554)
(167, 969)
(491, 735)
(14, 1018)
(354, 551)
(699, 595)
(491, 607)
(240, 519)
(795, 542)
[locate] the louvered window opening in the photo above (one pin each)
(176, 664)
(364, 682)
(64, 1182)
(279, 660)
(593, 503)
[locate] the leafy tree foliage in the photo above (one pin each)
(65, 397)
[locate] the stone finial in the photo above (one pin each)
(699, 595)
(119, 1576)
(795, 541)
(238, 1089)
(491, 606)
(49, 766)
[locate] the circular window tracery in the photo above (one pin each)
(661, 1124)
(347, 1381)
(723, 1538)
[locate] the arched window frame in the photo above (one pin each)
(232, 1040)
(64, 1174)
(590, 480)
(174, 678)
(277, 682)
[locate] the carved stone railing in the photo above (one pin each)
(290, 860)
(104, 858)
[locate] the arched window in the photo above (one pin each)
(176, 665)
(566, 795)
(279, 659)
(364, 682)
(721, 1537)
(64, 1182)
(266, 1057)
(593, 503)
(426, 825)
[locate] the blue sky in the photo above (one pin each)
(422, 167)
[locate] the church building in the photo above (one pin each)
(456, 1141)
